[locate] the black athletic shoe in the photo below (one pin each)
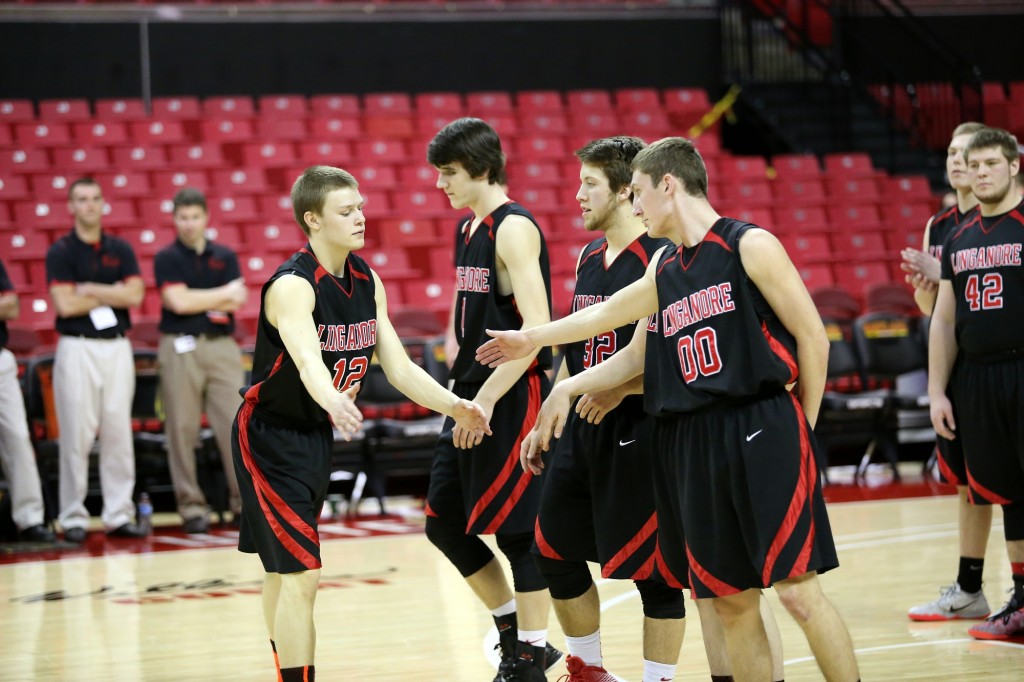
(127, 530)
(38, 533)
(75, 536)
(196, 525)
(551, 656)
(529, 664)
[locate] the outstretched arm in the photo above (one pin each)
(289, 307)
(414, 382)
(638, 300)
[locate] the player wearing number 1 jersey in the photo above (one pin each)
(323, 314)
(977, 315)
(737, 491)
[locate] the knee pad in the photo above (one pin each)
(516, 548)
(565, 579)
(467, 552)
(660, 600)
(1013, 521)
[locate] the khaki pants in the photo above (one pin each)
(206, 379)
(93, 387)
(16, 454)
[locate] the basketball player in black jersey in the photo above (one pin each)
(476, 485)
(977, 322)
(597, 503)
(736, 486)
(323, 315)
(964, 598)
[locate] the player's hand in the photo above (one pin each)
(554, 412)
(464, 436)
(343, 413)
(237, 294)
(506, 345)
(594, 406)
(470, 418)
(919, 281)
(917, 261)
(942, 416)
(529, 455)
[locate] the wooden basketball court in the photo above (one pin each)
(179, 607)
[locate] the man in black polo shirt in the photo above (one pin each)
(94, 278)
(200, 364)
(17, 459)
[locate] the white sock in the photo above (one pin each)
(505, 609)
(534, 637)
(658, 672)
(587, 648)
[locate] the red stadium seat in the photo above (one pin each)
(481, 104)
(282, 106)
(399, 232)
(64, 110)
(562, 289)
(390, 264)
(817, 275)
(108, 133)
(282, 129)
(119, 212)
(539, 148)
(807, 248)
(762, 217)
(16, 110)
(147, 241)
(231, 181)
(685, 106)
(537, 199)
(854, 216)
(800, 191)
(857, 277)
(648, 125)
(24, 160)
(158, 132)
(108, 109)
(226, 130)
(167, 183)
(907, 188)
(44, 215)
(796, 167)
(130, 185)
(176, 107)
(381, 151)
(595, 124)
(581, 102)
(543, 123)
(156, 211)
(387, 103)
(420, 203)
(13, 187)
(42, 133)
(535, 173)
(140, 158)
(417, 175)
(335, 128)
(50, 186)
(25, 243)
(539, 101)
(279, 237)
(276, 207)
(849, 165)
(194, 156)
(389, 125)
(268, 155)
(81, 160)
(564, 255)
(853, 190)
(506, 125)
(637, 99)
(747, 193)
(229, 107)
(228, 235)
(736, 168)
(380, 174)
(257, 268)
(434, 294)
(6, 136)
(859, 245)
(448, 104)
(336, 153)
(234, 208)
(330, 106)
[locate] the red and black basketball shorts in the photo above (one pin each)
(598, 497)
(951, 452)
(990, 423)
(484, 488)
(283, 475)
(738, 496)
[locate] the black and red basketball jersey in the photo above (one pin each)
(983, 261)
(345, 315)
(714, 338)
(596, 281)
(945, 223)
(478, 305)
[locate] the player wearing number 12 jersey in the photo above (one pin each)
(323, 314)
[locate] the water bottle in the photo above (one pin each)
(144, 514)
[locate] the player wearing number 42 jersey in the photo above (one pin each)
(977, 315)
(323, 315)
(736, 491)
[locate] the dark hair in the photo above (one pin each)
(474, 145)
(82, 181)
(189, 196)
(994, 137)
(613, 155)
(674, 156)
(312, 187)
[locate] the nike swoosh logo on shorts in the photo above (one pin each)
(754, 435)
(624, 443)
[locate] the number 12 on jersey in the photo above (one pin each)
(356, 370)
